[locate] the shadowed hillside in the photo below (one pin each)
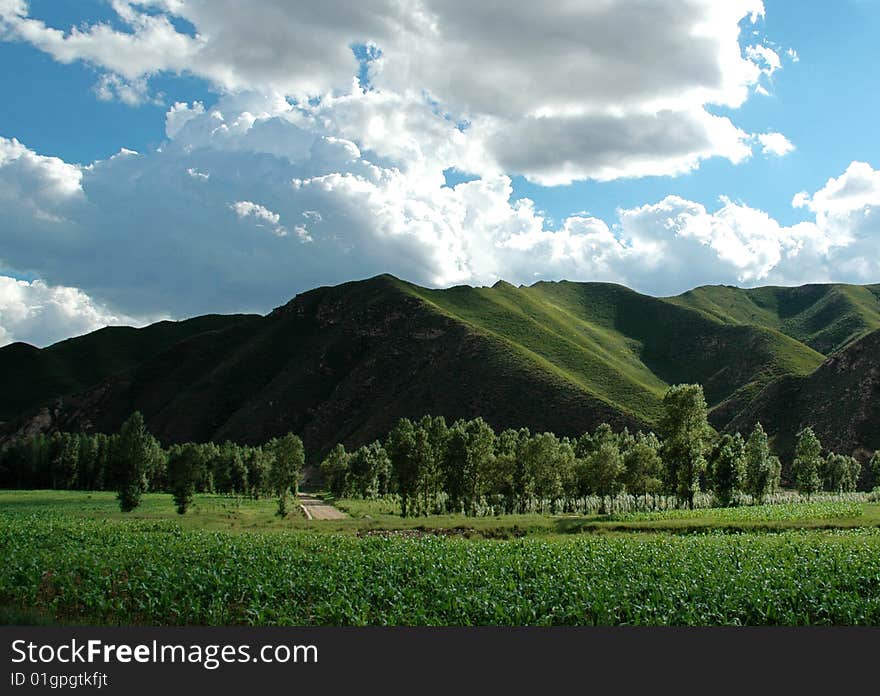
(839, 401)
(31, 376)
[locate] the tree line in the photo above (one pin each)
(132, 462)
(432, 466)
(435, 467)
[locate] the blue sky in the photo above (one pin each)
(587, 176)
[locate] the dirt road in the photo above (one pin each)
(316, 509)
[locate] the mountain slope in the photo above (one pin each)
(838, 400)
(336, 364)
(344, 363)
(32, 376)
(624, 347)
(824, 317)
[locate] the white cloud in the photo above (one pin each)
(554, 151)
(775, 144)
(246, 209)
(111, 87)
(593, 90)
(857, 189)
(765, 57)
(179, 114)
(41, 314)
(140, 233)
(847, 210)
(589, 90)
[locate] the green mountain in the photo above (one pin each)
(343, 363)
(623, 347)
(825, 317)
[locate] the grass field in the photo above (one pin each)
(231, 514)
(72, 557)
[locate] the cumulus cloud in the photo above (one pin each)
(262, 215)
(624, 85)
(847, 210)
(559, 150)
(99, 227)
(775, 144)
(42, 314)
(856, 190)
(346, 176)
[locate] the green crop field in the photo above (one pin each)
(761, 513)
(159, 573)
(70, 557)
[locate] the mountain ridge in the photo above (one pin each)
(342, 363)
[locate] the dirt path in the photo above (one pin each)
(316, 509)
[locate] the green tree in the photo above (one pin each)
(479, 450)
(86, 461)
(103, 453)
(685, 429)
(841, 473)
(238, 472)
(604, 470)
(438, 435)
(65, 464)
(156, 478)
(583, 448)
(362, 476)
(496, 477)
(759, 465)
(454, 464)
(506, 461)
(334, 469)
(131, 461)
(875, 468)
(36, 465)
(183, 464)
(429, 477)
(644, 466)
(807, 462)
(775, 473)
(221, 466)
(728, 466)
(382, 466)
(567, 464)
(405, 461)
(538, 456)
(257, 462)
(855, 470)
(287, 465)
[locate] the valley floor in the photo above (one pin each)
(72, 557)
(361, 517)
